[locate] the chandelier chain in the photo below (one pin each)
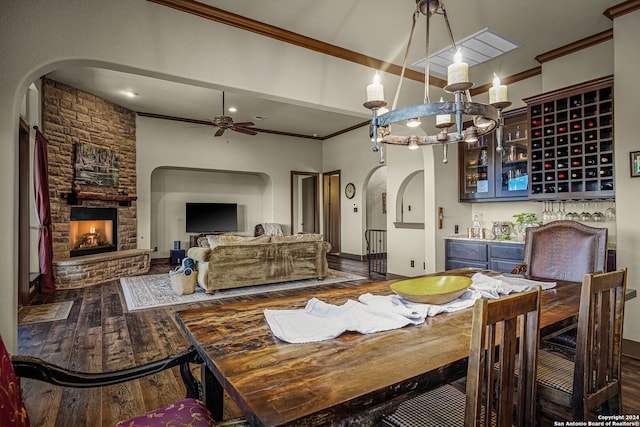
(406, 57)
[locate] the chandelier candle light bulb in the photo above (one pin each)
(458, 72)
(497, 93)
(375, 91)
(443, 118)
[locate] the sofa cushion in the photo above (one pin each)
(228, 239)
(302, 237)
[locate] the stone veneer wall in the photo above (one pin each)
(70, 116)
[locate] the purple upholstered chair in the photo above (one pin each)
(187, 412)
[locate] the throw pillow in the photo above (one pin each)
(203, 242)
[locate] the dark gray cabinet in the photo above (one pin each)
(497, 256)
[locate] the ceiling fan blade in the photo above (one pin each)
(220, 132)
(244, 130)
(244, 124)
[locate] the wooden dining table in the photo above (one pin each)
(349, 380)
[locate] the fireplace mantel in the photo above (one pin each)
(75, 198)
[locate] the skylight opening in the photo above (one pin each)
(477, 48)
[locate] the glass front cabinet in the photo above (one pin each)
(486, 174)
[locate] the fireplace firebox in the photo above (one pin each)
(93, 231)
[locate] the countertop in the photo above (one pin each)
(461, 237)
(610, 245)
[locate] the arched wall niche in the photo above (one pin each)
(173, 187)
(410, 202)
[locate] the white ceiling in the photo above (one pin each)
(376, 28)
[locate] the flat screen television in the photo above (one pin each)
(211, 217)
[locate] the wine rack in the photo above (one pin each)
(571, 142)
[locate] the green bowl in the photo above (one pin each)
(431, 289)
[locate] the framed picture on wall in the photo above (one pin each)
(635, 163)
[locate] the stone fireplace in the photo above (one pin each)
(93, 230)
(94, 223)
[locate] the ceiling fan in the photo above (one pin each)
(225, 122)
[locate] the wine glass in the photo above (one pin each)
(546, 213)
(597, 216)
(571, 215)
(584, 215)
(610, 213)
(560, 212)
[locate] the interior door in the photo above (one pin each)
(24, 289)
(309, 211)
(331, 204)
(305, 202)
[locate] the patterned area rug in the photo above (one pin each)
(155, 290)
(46, 312)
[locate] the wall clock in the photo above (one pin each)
(350, 190)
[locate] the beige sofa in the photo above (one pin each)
(235, 261)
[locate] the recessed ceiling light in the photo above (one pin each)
(232, 109)
(129, 93)
(259, 117)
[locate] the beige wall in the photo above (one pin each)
(626, 32)
(169, 145)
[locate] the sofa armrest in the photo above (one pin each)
(199, 254)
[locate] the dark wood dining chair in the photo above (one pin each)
(189, 411)
(491, 387)
(563, 250)
(574, 390)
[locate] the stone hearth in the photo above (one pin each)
(89, 270)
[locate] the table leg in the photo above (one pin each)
(213, 393)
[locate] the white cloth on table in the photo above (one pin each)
(491, 287)
(320, 321)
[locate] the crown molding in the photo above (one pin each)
(575, 46)
(222, 16)
(535, 71)
(273, 132)
(622, 9)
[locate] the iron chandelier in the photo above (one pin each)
(485, 117)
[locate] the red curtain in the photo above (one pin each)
(43, 207)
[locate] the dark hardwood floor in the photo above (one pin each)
(100, 334)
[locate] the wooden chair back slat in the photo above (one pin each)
(597, 364)
(512, 323)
